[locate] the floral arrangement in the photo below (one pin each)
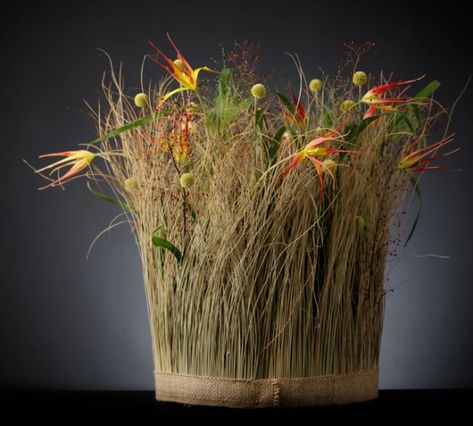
(263, 218)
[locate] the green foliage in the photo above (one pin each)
(259, 120)
(116, 132)
(272, 146)
(428, 90)
(165, 244)
(109, 199)
(416, 188)
(227, 105)
(354, 130)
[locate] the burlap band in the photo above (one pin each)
(297, 392)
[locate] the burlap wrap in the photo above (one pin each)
(285, 392)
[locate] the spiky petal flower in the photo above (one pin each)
(375, 95)
(314, 152)
(179, 69)
(418, 160)
(79, 160)
(376, 100)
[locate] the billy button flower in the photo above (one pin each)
(186, 180)
(141, 100)
(347, 105)
(315, 85)
(78, 160)
(359, 78)
(258, 91)
(330, 165)
(180, 70)
(130, 184)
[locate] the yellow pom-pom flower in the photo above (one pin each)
(315, 85)
(331, 165)
(287, 137)
(186, 180)
(347, 105)
(359, 78)
(130, 184)
(141, 100)
(361, 222)
(258, 91)
(192, 108)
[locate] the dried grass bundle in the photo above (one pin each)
(263, 220)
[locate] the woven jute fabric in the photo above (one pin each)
(284, 392)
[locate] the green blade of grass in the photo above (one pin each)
(116, 132)
(416, 220)
(109, 199)
(165, 244)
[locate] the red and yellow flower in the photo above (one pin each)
(316, 153)
(418, 160)
(180, 70)
(376, 99)
(298, 114)
(79, 160)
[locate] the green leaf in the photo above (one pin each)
(408, 123)
(272, 146)
(225, 82)
(109, 199)
(356, 129)
(276, 142)
(227, 106)
(165, 244)
(134, 124)
(418, 115)
(157, 229)
(259, 119)
(416, 220)
(286, 102)
(428, 90)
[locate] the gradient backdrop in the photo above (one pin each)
(71, 323)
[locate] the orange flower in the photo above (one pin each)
(314, 151)
(418, 160)
(375, 97)
(295, 112)
(180, 70)
(79, 160)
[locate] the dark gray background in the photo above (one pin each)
(69, 323)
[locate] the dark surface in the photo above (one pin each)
(71, 323)
(141, 407)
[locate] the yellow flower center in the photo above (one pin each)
(408, 162)
(179, 64)
(318, 151)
